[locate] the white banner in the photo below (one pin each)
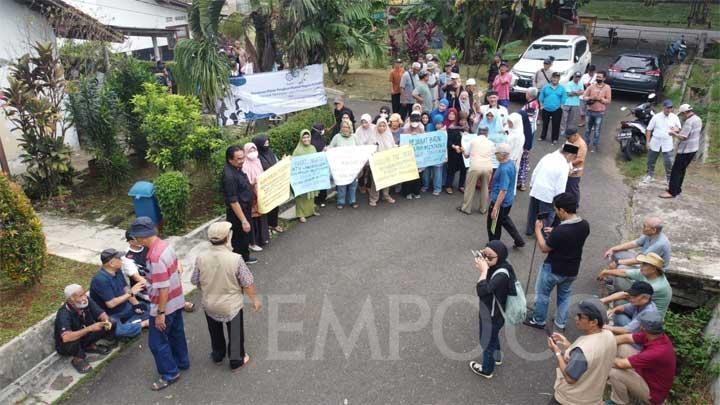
(347, 161)
(265, 95)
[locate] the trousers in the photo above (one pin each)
(677, 173)
(547, 117)
(546, 281)
(573, 187)
(627, 384)
(395, 103)
(503, 221)
(476, 177)
(537, 207)
(667, 162)
(569, 117)
(235, 348)
(169, 347)
(240, 239)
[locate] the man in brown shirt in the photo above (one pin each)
(596, 97)
(395, 75)
(573, 183)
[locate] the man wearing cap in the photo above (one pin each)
(583, 366)
(573, 182)
(493, 100)
(395, 75)
(647, 374)
(223, 277)
(564, 247)
(502, 197)
(166, 336)
(471, 88)
(547, 181)
(408, 81)
(501, 84)
(571, 106)
(452, 90)
(79, 324)
(455, 66)
(542, 76)
(238, 195)
(659, 140)
(422, 93)
(433, 81)
(650, 271)
(340, 111)
(444, 79)
(551, 98)
(110, 291)
(626, 317)
(597, 97)
(688, 145)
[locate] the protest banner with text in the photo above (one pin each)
(310, 173)
(430, 148)
(273, 186)
(347, 161)
(393, 166)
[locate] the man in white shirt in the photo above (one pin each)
(688, 145)
(587, 79)
(548, 180)
(493, 98)
(659, 139)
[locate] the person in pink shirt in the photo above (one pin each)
(501, 84)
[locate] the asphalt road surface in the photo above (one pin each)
(378, 305)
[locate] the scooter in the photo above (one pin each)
(676, 51)
(631, 135)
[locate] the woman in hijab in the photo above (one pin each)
(362, 135)
(346, 193)
(516, 139)
(455, 162)
(252, 167)
(412, 188)
(267, 160)
(496, 134)
(450, 117)
(427, 123)
(492, 290)
(383, 139)
(317, 139)
(305, 203)
(384, 113)
(396, 127)
(464, 103)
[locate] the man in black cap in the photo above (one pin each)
(564, 246)
(585, 364)
(542, 76)
(626, 318)
(238, 195)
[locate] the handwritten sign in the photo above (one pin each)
(393, 166)
(309, 173)
(273, 186)
(465, 143)
(430, 148)
(347, 161)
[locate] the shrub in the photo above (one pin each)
(167, 120)
(284, 138)
(173, 193)
(202, 142)
(22, 243)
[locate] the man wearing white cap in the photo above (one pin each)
(688, 145)
(223, 277)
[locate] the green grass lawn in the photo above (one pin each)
(635, 12)
(22, 307)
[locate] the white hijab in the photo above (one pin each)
(516, 137)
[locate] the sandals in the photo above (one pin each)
(81, 365)
(97, 349)
(246, 360)
(189, 308)
(278, 229)
(161, 384)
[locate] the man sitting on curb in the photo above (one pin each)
(646, 374)
(650, 271)
(652, 240)
(626, 317)
(109, 289)
(79, 324)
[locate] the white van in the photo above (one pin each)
(571, 53)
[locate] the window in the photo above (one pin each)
(580, 49)
(635, 63)
(542, 51)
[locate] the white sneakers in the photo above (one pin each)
(646, 180)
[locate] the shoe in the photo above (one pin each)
(355, 205)
(423, 190)
(408, 197)
(322, 205)
(463, 211)
(523, 188)
(519, 245)
(498, 358)
(461, 189)
(251, 260)
(417, 196)
(476, 368)
(372, 204)
(554, 142)
(256, 248)
(339, 207)
(531, 323)
(666, 195)
(646, 180)
(449, 190)
(302, 220)
(390, 200)
(436, 193)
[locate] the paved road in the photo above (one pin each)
(381, 270)
(627, 31)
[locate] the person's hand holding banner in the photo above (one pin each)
(310, 173)
(393, 166)
(430, 148)
(273, 186)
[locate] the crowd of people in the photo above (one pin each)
(622, 342)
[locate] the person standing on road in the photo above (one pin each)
(543, 75)
(238, 195)
(422, 92)
(688, 145)
(597, 97)
(571, 106)
(345, 194)
(260, 234)
(383, 139)
(496, 282)
(573, 182)
(587, 79)
(516, 139)
(396, 74)
(659, 140)
(166, 336)
(552, 97)
(548, 180)
(479, 152)
(564, 247)
(408, 81)
(222, 276)
(305, 203)
(529, 113)
(501, 85)
(584, 365)
(267, 160)
(502, 197)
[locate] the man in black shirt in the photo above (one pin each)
(564, 246)
(79, 324)
(238, 195)
(339, 111)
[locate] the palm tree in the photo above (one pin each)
(201, 69)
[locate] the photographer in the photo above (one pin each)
(597, 97)
(564, 246)
(492, 290)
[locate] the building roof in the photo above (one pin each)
(69, 22)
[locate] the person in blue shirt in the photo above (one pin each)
(502, 197)
(571, 106)
(552, 97)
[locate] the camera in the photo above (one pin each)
(543, 216)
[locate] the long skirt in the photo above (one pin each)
(304, 206)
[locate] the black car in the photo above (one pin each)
(636, 73)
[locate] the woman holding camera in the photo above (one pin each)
(496, 282)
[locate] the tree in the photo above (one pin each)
(200, 68)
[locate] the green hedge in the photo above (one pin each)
(173, 194)
(22, 243)
(284, 138)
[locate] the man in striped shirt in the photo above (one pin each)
(166, 336)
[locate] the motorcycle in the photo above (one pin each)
(676, 51)
(631, 135)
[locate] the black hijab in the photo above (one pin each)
(266, 156)
(502, 263)
(316, 137)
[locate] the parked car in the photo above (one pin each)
(571, 53)
(636, 73)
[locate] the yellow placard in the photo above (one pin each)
(273, 186)
(393, 166)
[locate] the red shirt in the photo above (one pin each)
(655, 364)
